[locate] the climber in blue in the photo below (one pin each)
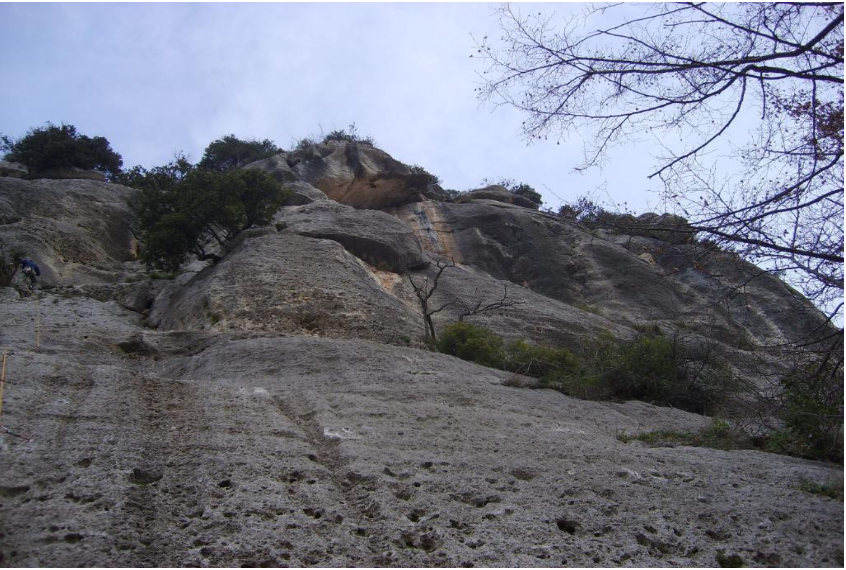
(30, 269)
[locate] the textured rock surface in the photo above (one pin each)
(498, 194)
(269, 411)
(293, 284)
(69, 173)
(604, 273)
(13, 170)
(78, 231)
(210, 449)
(303, 193)
(355, 174)
(377, 238)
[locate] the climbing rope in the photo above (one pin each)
(2, 383)
(4, 429)
(37, 320)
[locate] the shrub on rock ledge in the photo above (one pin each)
(183, 210)
(473, 343)
(231, 152)
(62, 146)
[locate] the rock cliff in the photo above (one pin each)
(279, 409)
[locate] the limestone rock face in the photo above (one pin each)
(375, 237)
(276, 409)
(13, 170)
(69, 173)
(355, 174)
(499, 194)
(303, 193)
(192, 448)
(285, 283)
(78, 231)
(606, 275)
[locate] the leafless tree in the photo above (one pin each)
(706, 75)
(424, 293)
(426, 290)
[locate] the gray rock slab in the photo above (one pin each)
(13, 170)
(303, 193)
(603, 273)
(355, 174)
(292, 284)
(498, 194)
(377, 238)
(237, 449)
(78, 231)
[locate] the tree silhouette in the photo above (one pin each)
(699, 73)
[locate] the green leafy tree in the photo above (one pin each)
(62, 147)
(231, 152)
(185, 210)
(158, 178)
(527, 192)
(812, 411)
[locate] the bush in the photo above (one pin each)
(556, 367)
(527, 192)
(519, 188)
(646, 369)
(351, 135)
(473, 343)
(650, 368)
(185, 210)
(421, 177)
(231, 152)
(157, 179)
(62, 147)
(832, 490)
(304, 143)
(720, 435)
(584, 209)
(660, 370)
(812, 412)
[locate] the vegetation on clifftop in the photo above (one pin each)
(61, 146)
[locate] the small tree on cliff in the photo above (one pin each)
(231, 152)
(62, 147)
(424, 292)
(467, 308)
(186, 210)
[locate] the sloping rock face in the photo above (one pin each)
(69, 173)
(280, 282)
(605, 273)
(243, 449)
(13, 170)
(374, 237)
(78, 231)
(275, 409)
(499, 194)
(355, 174)
(303, 193)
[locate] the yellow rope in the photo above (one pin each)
(2, 382)
(37, 321)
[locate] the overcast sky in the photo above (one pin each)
(159, 78)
